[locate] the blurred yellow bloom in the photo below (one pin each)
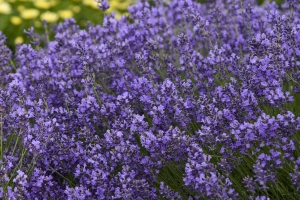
(93, 4)
(37, 24)
(15, 20)
(118, 15)
(5, 8)
(117, 5)
(65, 14)
(54, 2)
(76, 9)
(20, 8)
(29, 13)
(18, 40)
(49, 16)
(42, 4)
(88, 2)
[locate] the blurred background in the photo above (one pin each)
(17, 15)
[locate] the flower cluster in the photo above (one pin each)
(180, 100)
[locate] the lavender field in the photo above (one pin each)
(177, 100)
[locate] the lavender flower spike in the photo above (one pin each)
(102, 4)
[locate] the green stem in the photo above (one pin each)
(13, 64)
(1, 138)
(58, 173)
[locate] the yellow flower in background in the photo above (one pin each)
(15, 20)
(93, 4)
(54, 2)
(18, 40)
(76, 9)
(38, 24)
(20, 8)
(90, 3)
(65, 14)
(29, 13)
(86, 2)
(49, 16)
(117, 5)
(42, 4)
(5, 8)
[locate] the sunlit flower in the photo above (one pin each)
(29, 13)
(37, 24)
(65, 14)
(93, 4)
(49, 16)
(117, 5)
(20, 8)
(76, 9)
(15, 20)
(5, 8)
(42, 4)
(87, 2)
(53, 2)
(19, 40)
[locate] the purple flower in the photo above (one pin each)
(200, 91)
(102, 4)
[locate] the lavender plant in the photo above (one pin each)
(180, 100)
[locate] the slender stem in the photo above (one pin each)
(18, 166)
(58, 173)
(292, 78)
(1, 138)
(15, 146)
(13, 64)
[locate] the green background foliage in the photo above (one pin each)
(19, 15)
